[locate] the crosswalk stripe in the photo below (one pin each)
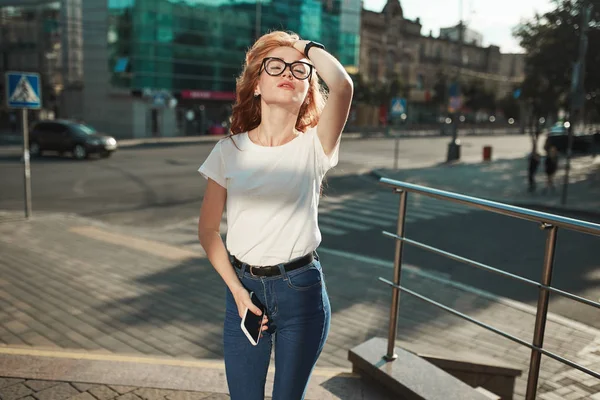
(432, 203)
(331, 230)
(367, 220)
(424, 201)
(421, 214)
(426, 210)
(344, 224)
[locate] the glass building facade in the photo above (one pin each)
(30, 40)
(44, 37)
(199, 45)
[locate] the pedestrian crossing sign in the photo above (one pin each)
(398, 107)
(23, 90)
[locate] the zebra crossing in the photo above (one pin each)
(359, 212)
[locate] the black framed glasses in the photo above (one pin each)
(276, 66)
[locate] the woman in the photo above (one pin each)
(269, 172)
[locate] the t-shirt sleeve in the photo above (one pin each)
(324, 161)
(214, 166)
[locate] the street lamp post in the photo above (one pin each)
(454, 145)
(257, 21)
(577, 91)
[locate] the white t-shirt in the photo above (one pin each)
(272, 195)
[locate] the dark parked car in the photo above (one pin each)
(582, 142)
(64, 136)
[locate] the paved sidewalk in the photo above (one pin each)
(76, 284)
(506, 181)
(30, 374)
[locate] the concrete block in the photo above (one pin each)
(409, 376)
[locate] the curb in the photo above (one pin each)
(8, 141)
(551, 209)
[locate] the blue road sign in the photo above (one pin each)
(23, 90)
(398, 107)
(517, 93)
(454, 90)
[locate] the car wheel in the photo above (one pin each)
(79, 152)
(35, 149)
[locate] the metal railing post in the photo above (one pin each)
(394, 309)
(542, 312)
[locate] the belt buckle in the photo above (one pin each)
(252, 273)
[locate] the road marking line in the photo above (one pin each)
(344, 224)
(331, 230)
(158, 249)
(90, 356)
(446, 280)
(420, 209)
(345, 213)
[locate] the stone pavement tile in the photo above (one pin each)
(103, 392)
(83, 396)
(550, 396)
(15, 391)
(122, 389)
(4, 382)
(38, 386)
(83, 387)
(572, 396)
(128, 396)
(152, 394)
(61, 391)
(182, 395)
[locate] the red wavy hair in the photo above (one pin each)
(246, 110)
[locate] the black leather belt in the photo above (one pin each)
(273, 270)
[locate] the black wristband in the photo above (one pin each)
(311, 44)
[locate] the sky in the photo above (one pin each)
(494, 19)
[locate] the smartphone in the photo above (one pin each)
(251, 323)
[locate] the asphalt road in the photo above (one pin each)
(154, 185)
(157, 187)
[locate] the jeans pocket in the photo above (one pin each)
(305, 278)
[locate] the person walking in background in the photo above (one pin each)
(551, 165)
(534, 161)
(269, 171)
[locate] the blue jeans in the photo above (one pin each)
(299, 313)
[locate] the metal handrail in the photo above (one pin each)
(498, 208)
(485, 267)
(549, 222)
(495, 330)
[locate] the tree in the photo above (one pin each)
(551, 41)
(439, 98)
(377, 93)
(477, 97)
(509, 106)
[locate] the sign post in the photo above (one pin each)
(398, 110)
(24, 92)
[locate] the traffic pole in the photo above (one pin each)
(26, 165)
